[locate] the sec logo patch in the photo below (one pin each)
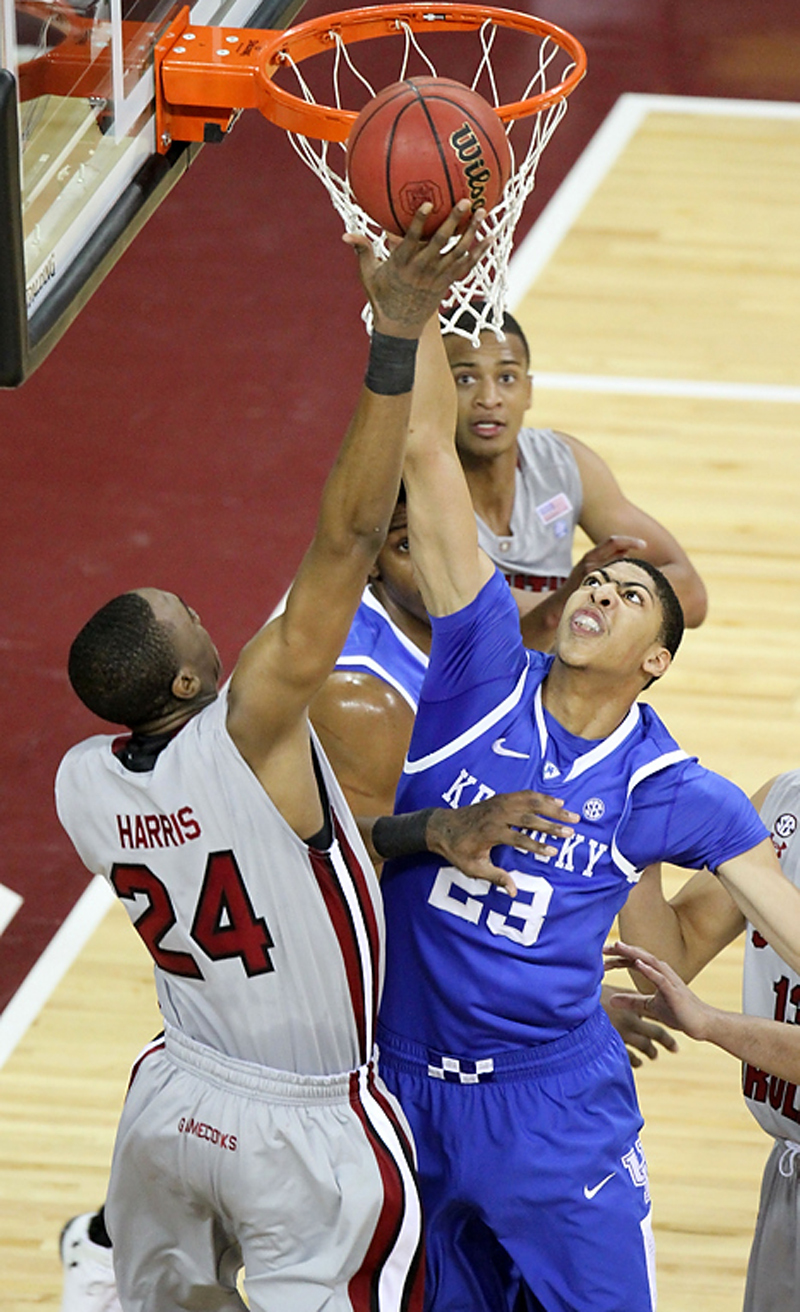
(785, 825)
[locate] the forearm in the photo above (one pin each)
(771, 904)
(650, 921)
(766, 898)
(441, 521)
(361, 490)
(770, 1045)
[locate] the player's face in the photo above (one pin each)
(493, 387)
(613, 622)
(193, 646)
(393, 572)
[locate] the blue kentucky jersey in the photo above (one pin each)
(469, 971)
(376, 646)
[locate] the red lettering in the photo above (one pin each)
(187, 820)
(789, 1109)
(141, 837)
(124, 830)
(168, 832)
(188, 1125)
(777, 1088)
(754, 1083)
(152, 824)
(176, 827)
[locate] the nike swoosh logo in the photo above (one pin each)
(500, 750)
(590, 1193)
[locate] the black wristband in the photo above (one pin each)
(390, 371)
(401, 835)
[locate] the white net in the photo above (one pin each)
(481, 297)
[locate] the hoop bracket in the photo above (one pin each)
(204, 78)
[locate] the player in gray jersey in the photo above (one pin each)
(531, 487)
(688, 932)
(256, 1129)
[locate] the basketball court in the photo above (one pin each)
(658, 286)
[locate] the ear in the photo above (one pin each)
(529, 401)
(657, 662)
(185, 685)
(374, 575)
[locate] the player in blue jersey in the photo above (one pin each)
(519, 1093)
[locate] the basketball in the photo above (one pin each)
(426, 139)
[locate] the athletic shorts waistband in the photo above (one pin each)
(258, 1081)
(592, 1036)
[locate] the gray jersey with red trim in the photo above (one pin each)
(771, 987)
(264, 948)
(548, 496)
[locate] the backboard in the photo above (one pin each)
(79, 169)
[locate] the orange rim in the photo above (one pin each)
(317, 35)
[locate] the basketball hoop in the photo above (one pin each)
(318, 130)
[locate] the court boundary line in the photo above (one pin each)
(568, 202)
(50, 968)
(586, 174)
(686, 388)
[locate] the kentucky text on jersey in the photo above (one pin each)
(157, 830)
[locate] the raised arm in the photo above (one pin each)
(283, 666)
(607, 511)
(450, 567)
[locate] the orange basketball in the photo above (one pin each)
(426, 139)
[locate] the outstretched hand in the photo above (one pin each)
(406, 289)
(673, 1002)
(465, 837)
(637, 1033)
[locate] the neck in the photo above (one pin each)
(492, 484)
(176, 716)
(411, 626)
(588, 703)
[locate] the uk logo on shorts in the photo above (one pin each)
(636, 1165)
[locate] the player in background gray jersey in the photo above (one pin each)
(687, 933)
(531, 487)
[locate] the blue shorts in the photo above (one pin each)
(534, 1183)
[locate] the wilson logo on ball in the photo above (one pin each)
(426, 139)
(469, 153)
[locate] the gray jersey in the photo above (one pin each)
(548, 496)
(264, 948)
(771, 987)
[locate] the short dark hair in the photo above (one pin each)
(122, 663)
(672, 621)
(467, 319)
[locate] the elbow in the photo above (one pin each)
(695, 603)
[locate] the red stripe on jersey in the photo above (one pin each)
(157, 1045)
(344, 929)
(364, 1286)
(367, 906)
(534, 582)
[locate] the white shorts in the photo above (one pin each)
(308, 1181)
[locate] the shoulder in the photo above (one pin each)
(545, 444)
(348, 692)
